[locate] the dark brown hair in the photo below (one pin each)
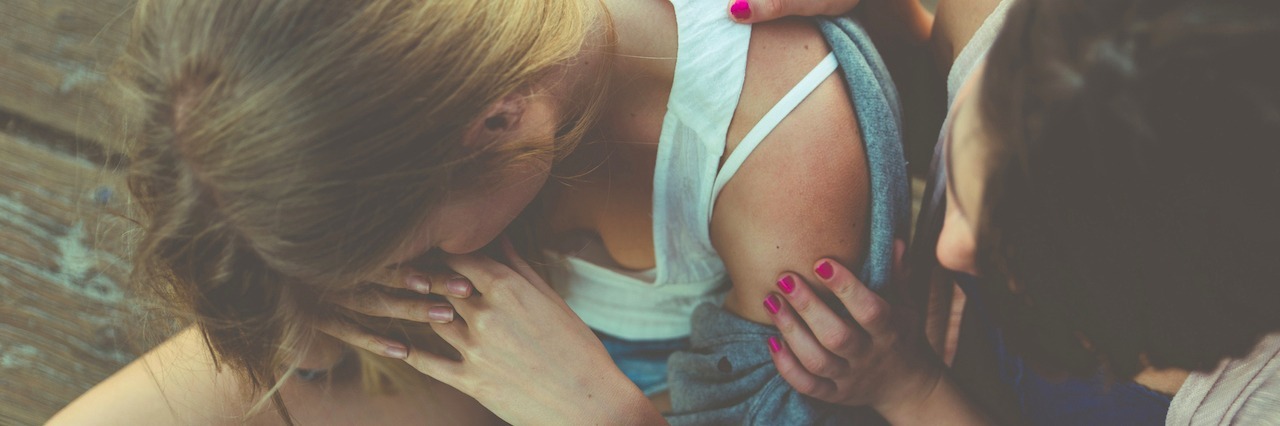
(1132, 181)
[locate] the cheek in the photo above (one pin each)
(469, 224)
(321, 353)
(468, 228)
(957, 244)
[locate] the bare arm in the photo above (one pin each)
(802, 194)
(954, 24)
(175, 383)
(874, 360)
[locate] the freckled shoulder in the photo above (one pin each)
(803, 193)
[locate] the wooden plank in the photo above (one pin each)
(54, 56)
(65, 318)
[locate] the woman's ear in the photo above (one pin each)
(500, 119)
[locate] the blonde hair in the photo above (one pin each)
(286, 148)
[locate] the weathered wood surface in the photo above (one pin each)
(63, 310)
(54, 57)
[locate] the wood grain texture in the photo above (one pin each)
(54, 57)
(63, 310)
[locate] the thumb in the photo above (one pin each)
(899, 271)
(753, 11)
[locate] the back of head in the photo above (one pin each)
(287, 147)
(1130, 192)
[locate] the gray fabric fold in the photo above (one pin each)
(727, 375)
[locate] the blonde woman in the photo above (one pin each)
(308, 169)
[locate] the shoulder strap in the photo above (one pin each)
(770, 121)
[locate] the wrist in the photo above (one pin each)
(897, 21)
(912, 397)
(622, 403)
(937, 401)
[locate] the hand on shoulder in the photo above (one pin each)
(896, 20)
(877, 359)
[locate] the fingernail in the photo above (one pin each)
(418, 283)
(440, 314)
(787, 284)
(825, 270)
(741, 10)
(396, 350)
(458, 287)
(771, 303)
(774, 344)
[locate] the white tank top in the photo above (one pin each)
(711, 63)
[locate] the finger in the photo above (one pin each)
(441, 283)
(444, 283)
(834, 333)
(358, 337)
(453, 333)
(484, 273)
(435, 365)
(815, 358)
(793, 372)
(868, 308)
(375, 303)
(900, 281)
(453, 285)
(899, 270)
(753, 11)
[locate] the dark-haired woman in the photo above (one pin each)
(1108, 178)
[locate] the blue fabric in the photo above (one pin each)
(643, 361)
(1072, 401)
(727, 376)
(875, 101)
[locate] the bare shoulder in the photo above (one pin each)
(955, 23)
(175, 383)
(803, 193)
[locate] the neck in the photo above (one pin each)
(633, 46)
(632, 40)
(645, 38)
(1164, 381)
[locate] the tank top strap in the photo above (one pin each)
(770, 121)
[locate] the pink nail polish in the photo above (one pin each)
(825, 270)
(787, 284)
(440, 314)
(418, 283)
(771, 303)
(459, 287)
(774, 344)
(396, 350)
(741, 10)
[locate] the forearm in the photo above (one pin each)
(942, 403)
(634, 409)
(614, 401)
(896, 22)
